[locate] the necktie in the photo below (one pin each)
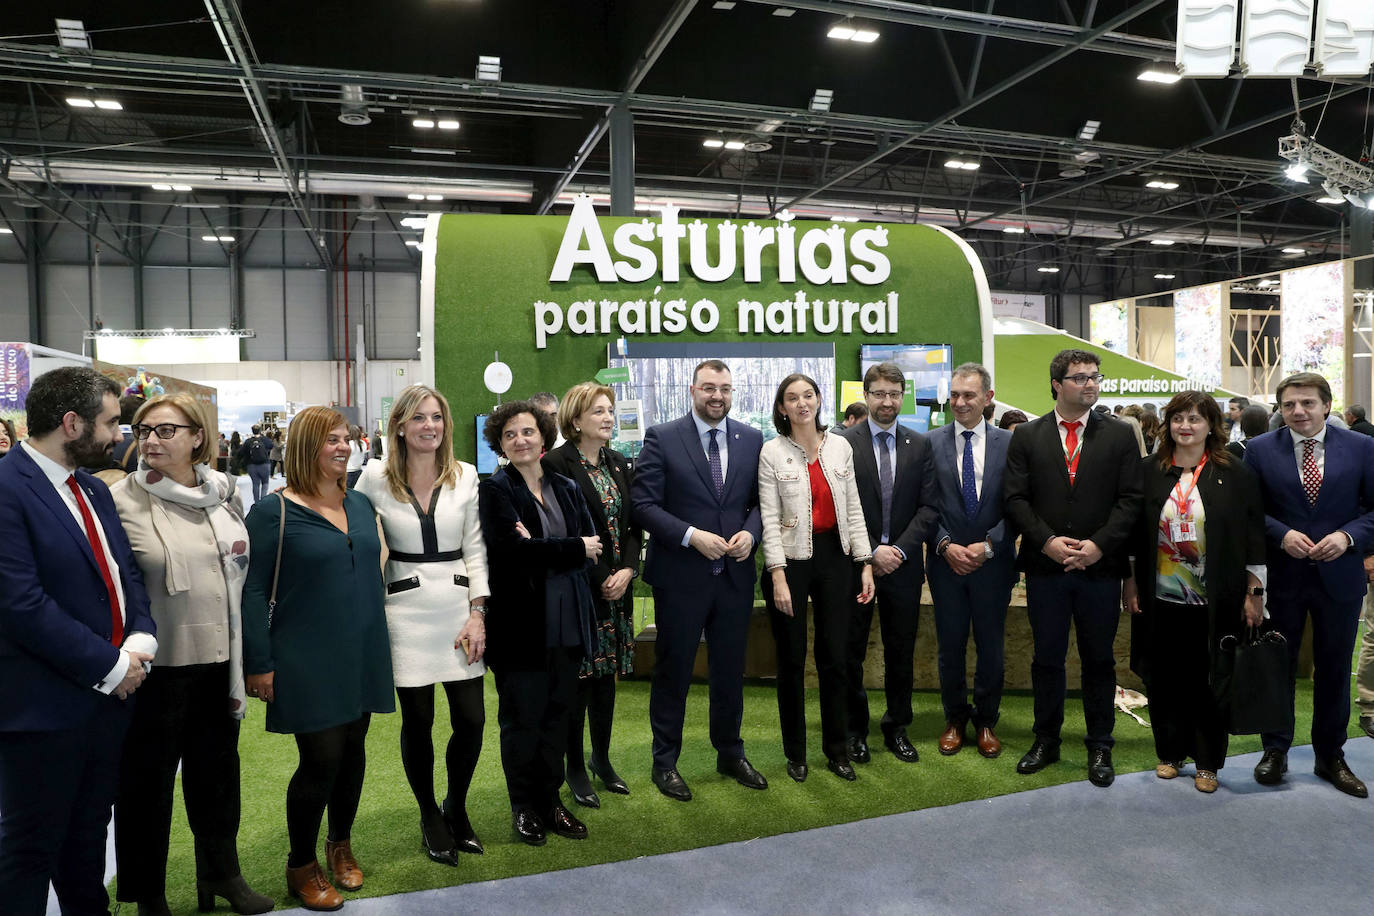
(116, 616)
(885, 479)
(718, 479)
(1311, 475)
(1071, 447)
(970, 486)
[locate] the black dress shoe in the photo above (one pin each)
(1367, 725)
(1337, 772)
(581, 787)
(464, 837)
(1269, 771)
(671, 784)
(1037, 758)
(797, 770)
(529, 828)
(741, 771)
(1100, 771)
(562, 822)
(608, 776)
(439, 848)
(841, 768)
(899, 745)
(858, 750)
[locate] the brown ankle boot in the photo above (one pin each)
(347, 874)
(309, 885)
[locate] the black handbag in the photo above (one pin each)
(1252, 683)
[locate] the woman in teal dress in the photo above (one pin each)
(319, 658)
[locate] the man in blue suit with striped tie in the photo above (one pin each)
(972, 565)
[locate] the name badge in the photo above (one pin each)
(1182, 530)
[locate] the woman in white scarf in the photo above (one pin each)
(185, 522)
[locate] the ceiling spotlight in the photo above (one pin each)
(181, 187)
(821, 101)
(768, 126)
(1330, 199)
(1161, 241)
(1014, 230)
(224, 238)
(162, 187)
(209, 238)
(71, 33)
(489, 68)
(6, 230)
(1161, 185)
(415, 197)
(1295, 251)
(434, 197)
(723, 5)
(841, 31)
(1164, 276)
(447, 124)
(965, 164)
(784, 11)
(1355, 199)
(1089, 130)
(108, 105)
(713, 144)
(734, 144)
(865, 36)
(78, 102)
(1163, 77)
(1048, 270)
(423, 123)
(1296, 172)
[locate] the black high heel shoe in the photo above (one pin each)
(447, 856)
(581, 787)
(242, 898)
(608, 776)
(464, 837)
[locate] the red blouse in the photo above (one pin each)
(822, 502)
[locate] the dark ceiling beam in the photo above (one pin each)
(238, 46)
(970, 22)
(652, 51)
(1215, 137)
(86, 226)
(1083, 39)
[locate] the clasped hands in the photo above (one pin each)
(713, 546)
(1071, 553)
(1300, 546)
(965, 559)
(134, 676)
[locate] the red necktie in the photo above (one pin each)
(116, 617)
(1311, 475)
(1071, 447)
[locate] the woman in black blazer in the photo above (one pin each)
(586, 418)
(540, 542)
(1198, 576)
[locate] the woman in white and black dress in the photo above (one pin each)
(436, 576)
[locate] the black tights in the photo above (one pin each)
(596, 705)
(466, 716)
(330, 775)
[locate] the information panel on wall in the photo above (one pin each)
(1198, 334)
(1312, 320)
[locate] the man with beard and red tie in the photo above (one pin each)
(77, 638)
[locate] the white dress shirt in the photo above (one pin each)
(980, 448)
(138, 642)
(1318, 452)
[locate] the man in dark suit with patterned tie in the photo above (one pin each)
(1318, 486)
(1073, 487)
(973, 560)
(76, 635)
(896, 480)
(696, 492)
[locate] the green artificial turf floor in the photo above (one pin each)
(386, 836)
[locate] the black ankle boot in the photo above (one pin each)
(241, 897)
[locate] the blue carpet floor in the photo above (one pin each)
(1142, 846)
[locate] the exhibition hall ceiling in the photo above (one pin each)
(228, 98)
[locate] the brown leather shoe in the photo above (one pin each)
(952, 739)
(988, 745)
(347, 874)
(309, 885)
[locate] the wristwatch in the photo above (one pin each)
(988, 551)
(1254, 590)
(940, 547)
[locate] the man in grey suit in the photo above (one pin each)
(896, 481)
(972, 560)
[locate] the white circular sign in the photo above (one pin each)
(497, 378)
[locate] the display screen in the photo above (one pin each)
(486, 459)
(1312, 323)
(1197, 335)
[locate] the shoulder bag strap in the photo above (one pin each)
(276, 569)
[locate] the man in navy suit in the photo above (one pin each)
(973, 563)
(76, 637)
(896, 481)
(696, 493)
(1318, 486)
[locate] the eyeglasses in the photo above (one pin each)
(163, 430)
(713, 390)
(1082, 379)
(885, 395)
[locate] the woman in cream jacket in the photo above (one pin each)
(813, 534)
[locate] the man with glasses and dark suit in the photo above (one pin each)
(696, 492)
(896, 479)
(1073, 487)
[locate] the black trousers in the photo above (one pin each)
(898, 599)
(56, 789)
(828, 580)
(533, 714)
(181, 719)
(720, 609)
(1184, 717)
(1334, 625)
(1093, 606)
